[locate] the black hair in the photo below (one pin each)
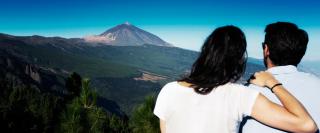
(222, 59)
(286, 42)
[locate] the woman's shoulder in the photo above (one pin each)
(233, 86)
(174, 87)
(237, 87)
(172, 84)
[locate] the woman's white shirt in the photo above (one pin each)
(220, 111)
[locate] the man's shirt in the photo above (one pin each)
(304, 86)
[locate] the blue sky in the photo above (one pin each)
(185, 23)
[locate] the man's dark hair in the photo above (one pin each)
(222, 59)
(287, 43)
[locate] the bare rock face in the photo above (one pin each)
(21, 72)
(32, 72)
(148, 76)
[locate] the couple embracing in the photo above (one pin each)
(211, 100)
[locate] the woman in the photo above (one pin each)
(209, 100)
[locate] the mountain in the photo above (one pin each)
(126, 35)
(122, 75)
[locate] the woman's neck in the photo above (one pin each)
(184, 83)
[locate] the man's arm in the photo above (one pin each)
(292, 116)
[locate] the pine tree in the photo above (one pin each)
(87, 96)
(73, 85)
(82, 114)
(26, 109)
(143, 120)
(71, 118)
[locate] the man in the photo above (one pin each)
(284, 46)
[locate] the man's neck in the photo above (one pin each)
(270, 65)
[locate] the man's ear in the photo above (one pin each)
(266, 51)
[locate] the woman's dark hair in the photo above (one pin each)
(286, 42)
(222, 59)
